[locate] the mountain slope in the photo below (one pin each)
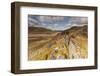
(68, 44)
(38, 30)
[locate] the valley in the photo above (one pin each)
(46, 44)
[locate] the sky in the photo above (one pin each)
(56, 22)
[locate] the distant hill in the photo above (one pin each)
(78, 30)
(38, 30)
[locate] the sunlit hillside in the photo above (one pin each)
(45, 44)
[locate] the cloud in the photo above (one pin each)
(32, 22)
(78, 20)
(50, 18)
(84, 20)
(56, 22)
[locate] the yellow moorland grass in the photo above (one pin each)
(40, 50)
(72, 45)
